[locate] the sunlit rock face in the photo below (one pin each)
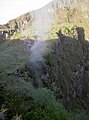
(42, 21)
(44, 17)
(20, 23)
(38, 22)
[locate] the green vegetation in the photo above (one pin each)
(42, 106)
(16, 35)
(65, 74)
(23, 100)
(77, 14)
(67, 29)
(12, 55)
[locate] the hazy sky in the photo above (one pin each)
(10, 9)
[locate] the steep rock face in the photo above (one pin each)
(15, 26)
(76, 14)
(43, 18)
(38, 22)
(20, 22)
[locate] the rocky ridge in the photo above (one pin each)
(38, 22)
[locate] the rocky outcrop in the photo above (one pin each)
(20, 23)
(6, 34)
(15, 26)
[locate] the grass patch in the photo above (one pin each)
(12, 55)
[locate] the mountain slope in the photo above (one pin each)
(38, 22)
(48, 80)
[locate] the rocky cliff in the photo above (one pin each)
(38, 22)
